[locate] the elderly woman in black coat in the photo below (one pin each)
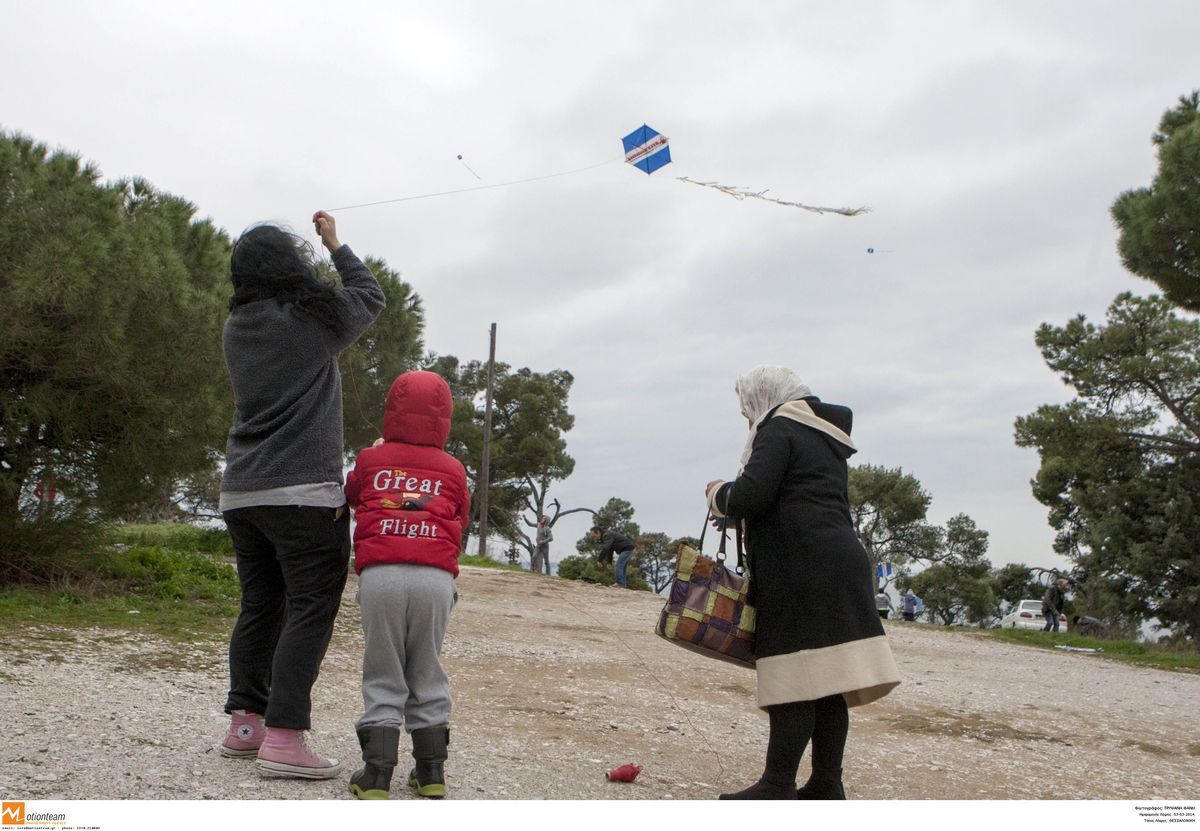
(820, 644)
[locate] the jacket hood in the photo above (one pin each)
(418, 410)
(840, 417)
(833, 420)
(837, 415)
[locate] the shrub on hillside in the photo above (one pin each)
(155, 571)
(177, 537)
(50, 549)
(588, 570)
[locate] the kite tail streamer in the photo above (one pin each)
(745, 193)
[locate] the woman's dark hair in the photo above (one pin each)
(270, 262)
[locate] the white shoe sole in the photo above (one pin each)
(231, 753)
(281, 769)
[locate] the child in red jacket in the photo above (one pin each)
(411, 504)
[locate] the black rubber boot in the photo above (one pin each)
(826, 785)
(764, 789)
(380, 749)
(429, 752)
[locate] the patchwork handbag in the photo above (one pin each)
(706, 610)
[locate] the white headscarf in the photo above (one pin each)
(761, 390)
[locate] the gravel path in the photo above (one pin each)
(556, 682)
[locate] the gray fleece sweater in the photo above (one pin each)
(287, 390)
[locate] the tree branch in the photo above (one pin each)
(572, 511)
(525, 542)
(1173, 406)
(1183, 444)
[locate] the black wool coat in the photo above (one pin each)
(810, 579)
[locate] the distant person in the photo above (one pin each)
(281, 490)
(1090, 627)
(820, 646)
(544, 537)
(883, 604)
(614, 542)
(411, 505)
(1053, 602)
(910, 605)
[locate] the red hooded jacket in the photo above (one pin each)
(409, 496)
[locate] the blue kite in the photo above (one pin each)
(646, 149)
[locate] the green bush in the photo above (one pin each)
(580, 567)
(154, 571)
(62, 548)
(177, 537)
(50, 549)
(158, 587)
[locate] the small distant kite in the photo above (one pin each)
(648, 150)
(879, 251)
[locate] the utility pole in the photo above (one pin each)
(484, 468)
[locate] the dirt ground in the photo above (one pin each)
(557, 682)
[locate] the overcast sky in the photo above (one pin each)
(988, 139)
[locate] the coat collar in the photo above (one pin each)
(801, 411)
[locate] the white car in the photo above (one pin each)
(1027, 614)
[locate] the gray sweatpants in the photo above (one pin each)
(405, 609)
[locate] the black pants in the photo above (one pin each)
(292, 562)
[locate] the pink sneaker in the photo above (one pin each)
(286, 753)
(245, 736)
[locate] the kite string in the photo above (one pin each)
(349, 368)
(687, 716)
(477, 187)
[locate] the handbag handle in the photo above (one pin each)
(737, 533)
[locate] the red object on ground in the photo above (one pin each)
(46, 490)
(625, 773)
